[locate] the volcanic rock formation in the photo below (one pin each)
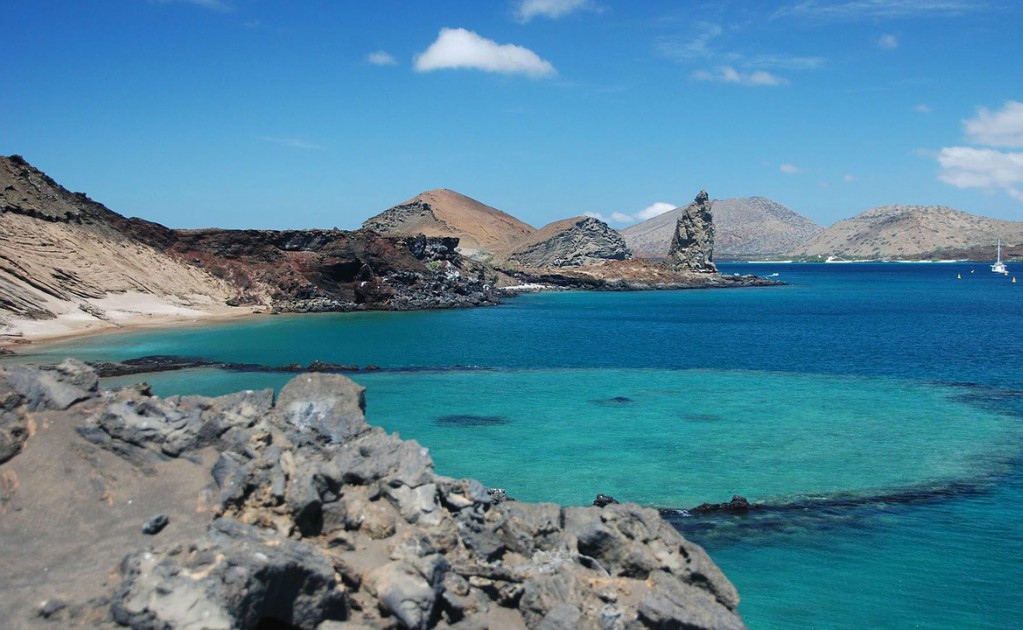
(692, 246)
(577, 242)
(744, 228)
(482, 230)
(118, 507)
(65, 256)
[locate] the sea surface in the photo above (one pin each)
(874, 411)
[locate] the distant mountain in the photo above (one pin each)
(482, 230)
(912, 232)
(577, 242)
(745, 227)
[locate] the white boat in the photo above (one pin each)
(999, 266)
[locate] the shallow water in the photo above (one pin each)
(875, 408)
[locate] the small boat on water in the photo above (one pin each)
(998, 266)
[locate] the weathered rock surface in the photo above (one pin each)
(692, 246)
(481, 230)
(297, 512)
(577, 242)
(630, 275)
(745, 228)
(65, 256)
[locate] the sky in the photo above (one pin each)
(320, 113)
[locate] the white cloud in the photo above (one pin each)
(654, 209)
(457, 48)
(1003, 128)
(888, 41)
(215, 5)
(987, 169)
(696, 47)
(728, 74)
(855, 10)
(923, 108)
(651, 211)
(553, 9)
(293, 143)
(789, 169)
(849, 178)
(702, 45)
(381, 58)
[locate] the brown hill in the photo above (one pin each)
(745, 228)
(68, 263)
(909, 233)
(576, 242)
(62, 255)
(482, 230)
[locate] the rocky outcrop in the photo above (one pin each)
(578, 242)
(745, 228)
(334, 270)
(63, 255)
(628, 275)
(692, 246)
(481, 230)
(295, 511)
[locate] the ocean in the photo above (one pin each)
(873, 412)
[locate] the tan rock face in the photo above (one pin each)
(692, 246)
(61, 253)
(482, 230)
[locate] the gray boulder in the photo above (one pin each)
(692, 245)
(300, 513)
(577, 242)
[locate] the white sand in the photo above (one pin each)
(122, 311)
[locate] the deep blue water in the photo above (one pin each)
(877, 407)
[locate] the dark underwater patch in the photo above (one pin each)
(614, 401)
(701, 417)
(471, 420)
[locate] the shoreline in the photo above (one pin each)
(54, 331)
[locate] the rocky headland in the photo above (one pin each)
(746, 228)
(119, 508)
(69, 264)
(578, 242)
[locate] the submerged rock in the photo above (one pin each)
(298, 512)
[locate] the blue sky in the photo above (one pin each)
(322, 113)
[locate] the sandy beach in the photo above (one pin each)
(117, 313)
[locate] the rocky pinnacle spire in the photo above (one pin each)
(692, 246)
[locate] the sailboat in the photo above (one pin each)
(999, 266)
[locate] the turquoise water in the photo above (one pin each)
(875, 409)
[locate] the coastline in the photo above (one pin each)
(16, 335)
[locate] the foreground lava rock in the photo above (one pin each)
(297, 511)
